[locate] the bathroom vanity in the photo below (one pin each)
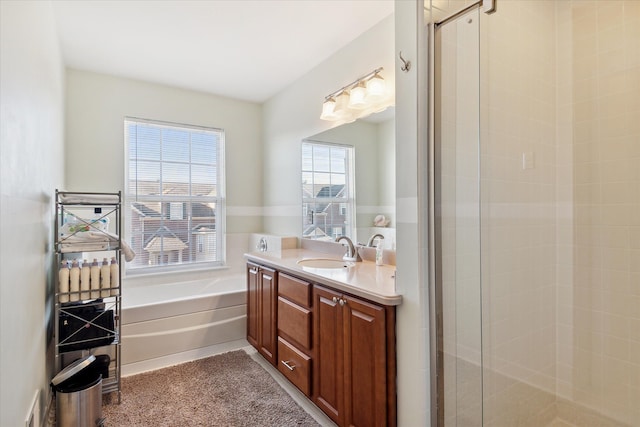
(329, 328)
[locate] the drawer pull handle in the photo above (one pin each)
(289, 367)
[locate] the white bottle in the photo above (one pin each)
(63, 281)
(85, 280)
(379, 252)
(115, 276)
(74, 280)
(95, 279)
(105, 276)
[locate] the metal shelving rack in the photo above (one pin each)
(85, 208)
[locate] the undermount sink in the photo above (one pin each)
(325, 263)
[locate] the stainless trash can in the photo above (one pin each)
(78, 389)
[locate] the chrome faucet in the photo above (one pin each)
(377, 235)
(352, 252)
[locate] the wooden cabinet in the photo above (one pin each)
(262, 310)
(354, 370)
(294, 331)
(337, 349)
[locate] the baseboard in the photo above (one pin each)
(49, 415)
(183, 357)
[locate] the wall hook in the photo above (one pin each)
(406, 65)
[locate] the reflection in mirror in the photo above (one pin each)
(348, 176)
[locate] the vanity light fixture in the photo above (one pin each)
(362, 97)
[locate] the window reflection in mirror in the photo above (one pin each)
(327, 191)
(344, 197)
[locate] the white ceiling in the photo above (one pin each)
(244, 49)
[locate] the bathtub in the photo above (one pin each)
(172, 323)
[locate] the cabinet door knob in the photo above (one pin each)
(289, 367)
(335, 299)
(342, 302)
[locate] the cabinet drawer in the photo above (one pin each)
(295, 365)
(295, 290)
(295, 321)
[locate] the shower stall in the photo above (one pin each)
(535, 143)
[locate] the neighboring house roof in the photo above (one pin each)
(144, 210)
(314, 232)
(329, 191)
(165, 244)
(164, 240)
(198, 210)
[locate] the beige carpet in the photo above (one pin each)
(229, 389)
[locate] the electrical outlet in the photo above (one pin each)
(33, 417)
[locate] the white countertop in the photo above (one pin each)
(365, 279)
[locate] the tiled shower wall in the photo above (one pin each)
(599, 226)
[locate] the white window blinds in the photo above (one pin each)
(174, 194)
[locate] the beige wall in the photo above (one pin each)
(31, 167)
(96, 106)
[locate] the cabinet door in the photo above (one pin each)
(268, 294)
(252, 304)
(328, 368)
(365, 370)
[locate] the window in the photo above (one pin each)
(327, 191)
(174, 194)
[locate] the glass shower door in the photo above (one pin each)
(456, 65)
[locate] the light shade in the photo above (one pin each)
(342, 106)
(357, 95)
(329, 109)
(376, 88)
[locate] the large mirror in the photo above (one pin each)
(352, 161)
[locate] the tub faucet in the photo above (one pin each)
(352, 252)
(262, 245)
(377, 235)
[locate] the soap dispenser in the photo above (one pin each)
(379, 253)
